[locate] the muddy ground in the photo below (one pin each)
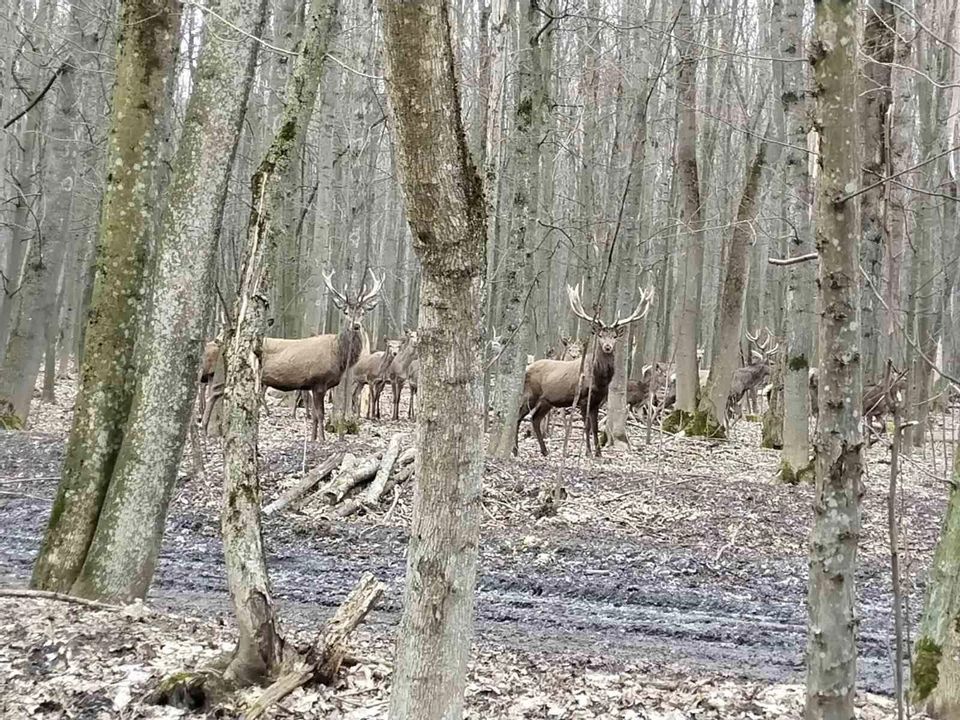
(684, 558)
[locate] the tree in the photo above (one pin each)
(146, 50)
(935, 673)
(123, 552)
(525, 145)
(794, 125)
(38, 286)
(445, 210)
(710, 418)
(831, 643)
(691, 262)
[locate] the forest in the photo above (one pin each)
(440, 359)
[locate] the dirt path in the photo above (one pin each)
(642, 585)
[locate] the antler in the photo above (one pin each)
(366, 296)
(333, 291)
(643, 307)
(573, 294)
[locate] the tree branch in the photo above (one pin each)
(38, 98)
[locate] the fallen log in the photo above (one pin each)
(371, 497)
(330, 651)
(349, 477)
(313, 478)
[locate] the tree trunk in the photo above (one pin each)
(878, 44)
(795, 460)
(123, 552)
(532, 106)
(831, 645)
(711, 416)
(691, 263)
(446, 211)
(935, 674)
(146, 51)
(38, 287)
(260, 647)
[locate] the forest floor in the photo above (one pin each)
(671, 584)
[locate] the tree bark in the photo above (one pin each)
(123, 552)
(711, 416)
(145, 58)
(935, 674)
(446, 213)
(800, 313)
(691, 263)
(531, 109)
(831, 645)
(260, 647)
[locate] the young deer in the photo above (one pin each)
(559, 383)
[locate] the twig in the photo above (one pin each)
(10, 493)
(893, 531)
(62, 597)
(38, 98)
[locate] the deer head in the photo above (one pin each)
(355, 309)
(393, 347)
(605, 334)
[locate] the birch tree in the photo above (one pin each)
(446, 213)
(831, 641)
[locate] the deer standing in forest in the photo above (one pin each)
(560, 383)
(372, 370)
(404, 369)
(312, 364)
(755, 372)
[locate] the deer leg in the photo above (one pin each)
(375, 398)
(594, 425)
(397, 386)
(202, 400)
(539, 413)
(521, 414)
(411, 411)
(317, 415)
(215, 394)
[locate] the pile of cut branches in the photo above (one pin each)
(351, 484)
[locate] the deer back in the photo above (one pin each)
(303, 363)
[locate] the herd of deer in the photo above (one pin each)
(315, 365)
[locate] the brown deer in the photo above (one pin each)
(372, 370)
(879, 400)
(400, 370)
(315, 364)
(559, 383)
(755, 372)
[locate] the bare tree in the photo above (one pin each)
(794, 125)
(831, 645)
(691, 263)
(446, 212)
(145, 57)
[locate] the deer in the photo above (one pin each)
(755, 372)
(400, 371)
(549, 384)
(316, 364)
(642, 392)
(372, 369)
(878, 400)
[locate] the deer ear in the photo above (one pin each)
(371, 303)
(338, 302)
(620, 331)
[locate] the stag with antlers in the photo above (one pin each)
(582, 382)
(755, 372)
(315, 364)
